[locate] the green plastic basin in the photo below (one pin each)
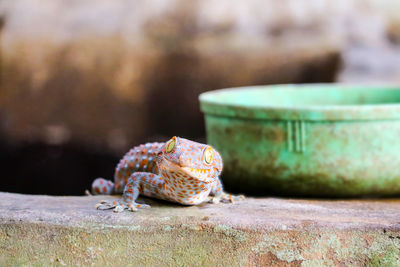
(313, 140)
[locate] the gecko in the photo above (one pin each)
(180, 170)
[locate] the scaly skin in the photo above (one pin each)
(180, 171)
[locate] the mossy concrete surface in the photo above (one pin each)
(57, 231)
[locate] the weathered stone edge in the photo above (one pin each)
(47, 244)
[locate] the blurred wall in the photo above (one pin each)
(99, 76)
(111, 74)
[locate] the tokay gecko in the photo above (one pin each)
(179, 170)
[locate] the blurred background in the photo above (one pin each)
(82, 81)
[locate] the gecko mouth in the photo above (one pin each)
(193, 172)
(200, 175)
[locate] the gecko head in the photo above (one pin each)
(199, 161)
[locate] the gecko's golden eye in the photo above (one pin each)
(170, 145)
(208, 155)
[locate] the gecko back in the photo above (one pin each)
(141, 158)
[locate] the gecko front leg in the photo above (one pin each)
(137, 183)
(217, 194)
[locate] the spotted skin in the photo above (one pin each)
(139, 159)
(179, 170)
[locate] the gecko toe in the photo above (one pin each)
(102, 206)
(118, 208)
(214, 200)
(143, 206)
(132, 208)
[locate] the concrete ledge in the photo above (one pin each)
(44, 230)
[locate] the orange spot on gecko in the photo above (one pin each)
(143, 162)
(117, 185)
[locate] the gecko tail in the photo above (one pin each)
(101, 186)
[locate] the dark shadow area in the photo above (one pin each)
(37, 168)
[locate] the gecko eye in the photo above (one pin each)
(208, 155)
(170, 145)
